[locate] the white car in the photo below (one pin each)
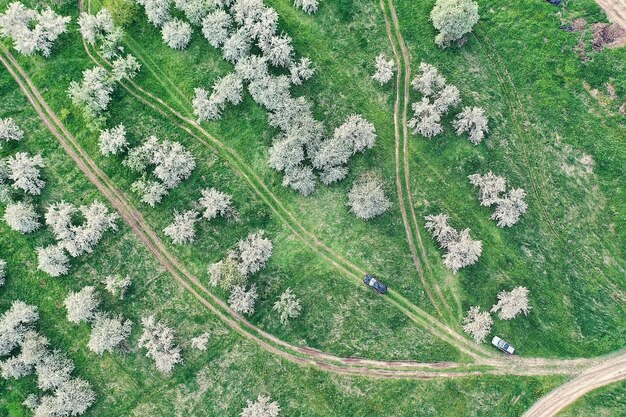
(502, 345)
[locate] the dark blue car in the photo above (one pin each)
(370, 281)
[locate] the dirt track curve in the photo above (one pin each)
(606, 372)
(615, 11)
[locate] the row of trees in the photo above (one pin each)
(510, 304)
(67, 395)
(32, 31)
(492, 190)
(299, 148)
(74, 238)
(460, 249)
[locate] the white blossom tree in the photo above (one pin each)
(171, 162)
(262, 407)
(477, 324)
(510, 208)
(176, 33)
(81, 306)
(462, 252)
(287, 306)
(79, 239)
(157, 11)
(93, 93)
(367, 199)
(158, 339)
(447, 98)
(53, 370)
(215, 27)
(195, 10)
(33, 348)
(490, 187)
(182, 229)
(252, 67)
(95, 27)
(117, 285)
(113, 141)
(206, 107)
(429, 81)
(22, 217)
(384, 69)
(512, 303)
(52, 260)
(453, 19)
(301, 70)
(32, 31)
(307, 6)
(473, 121)
(72, 398)
(226, 273)
(107, 333)
(15, 324)
(237, 45)
(152, 192)
(229, 88)
(438, 226)
(215, 203)
(254, 252)
(426, 119)
(278, 50)
(126, 67)
(300, 178)
(25, 173)
(200, 342)
(10, 131)
(242, 301)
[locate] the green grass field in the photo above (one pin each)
(608, 401)
(568, 249)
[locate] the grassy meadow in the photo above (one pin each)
(550, 115)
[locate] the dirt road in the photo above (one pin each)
(615, 10)
(606, 372)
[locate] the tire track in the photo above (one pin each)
(414, 230)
